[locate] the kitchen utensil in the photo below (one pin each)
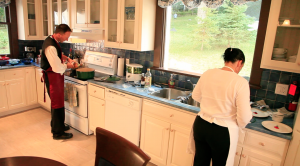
(110, 79)
(85, 73)
(14, 61)
(279, 50)
(133, 72)
(277, 117)
(259, 113)
(2, 62)
(278, 55)
(277, 127)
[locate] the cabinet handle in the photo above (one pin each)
(102, 104)
(94, 91)
(243, 155)
(171, 115)
(121, 42)
(237, 153)
(167, 128)
(172, 130)
(3, 84)
(298, 130)
(7, 84)
(262, 144)
(14, 73)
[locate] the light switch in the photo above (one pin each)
(281, 89)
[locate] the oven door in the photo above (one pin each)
(81, 109)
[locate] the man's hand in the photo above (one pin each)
(70, 65)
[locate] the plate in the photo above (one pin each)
(259, 113)
(277, 127)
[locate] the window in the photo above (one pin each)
(196, 39)
(4, 31)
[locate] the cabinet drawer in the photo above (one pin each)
(14, 74)
(272, 145)
(168, 113)
(96, 91)
(2, 76)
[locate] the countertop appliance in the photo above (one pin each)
(123, 115)
(104, 65)
(133, 72)
(29, 53)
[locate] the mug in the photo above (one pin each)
(279, 50)
(277, 117)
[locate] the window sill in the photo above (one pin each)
(174, 71)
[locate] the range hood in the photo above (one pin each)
(89, 34)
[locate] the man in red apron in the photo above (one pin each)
(54, 64)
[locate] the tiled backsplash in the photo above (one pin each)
(268, 85)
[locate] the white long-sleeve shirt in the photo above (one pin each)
(223, 95)
(54, 60)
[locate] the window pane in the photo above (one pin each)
(4, 40)
(196, 39)
(2, 14)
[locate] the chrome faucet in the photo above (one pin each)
(191, 83)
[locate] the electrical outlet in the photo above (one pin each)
(281, 89)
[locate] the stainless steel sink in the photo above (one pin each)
(173, 94)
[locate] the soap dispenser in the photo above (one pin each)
(171, 82)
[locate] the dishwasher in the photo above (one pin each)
(123, 115)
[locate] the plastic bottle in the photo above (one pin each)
(294, 101)
(148, 79)
(171, 82)
(143, 80)
(70, 54)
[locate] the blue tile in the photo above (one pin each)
(286, 106)
(137, 55)
(253, 92)
(150, 64)
(132, 54)
(136, 61)
(188, 85)
(148, 56)
(270, 95)
(284, 78)
(275, 71)
(281, 98)
(131, 60)
(181, 84)
(195, 80)
(265, 75)
(181, 77)
(252, 98)
(127, 54)
(274, 77)
(270, 103)
(261, 93)
(142, 56)
(271, 86)
(286, 73)
(296, 74)
(163, 80)
(258, 98)
(168, 75)
(176, 83)
(141, 62)
(147, 64)
(263, 84)
(152, 56)
(163, 73)
(289, 98)
(175, 76)
(279, 105)
(156, 79)
(157, 72)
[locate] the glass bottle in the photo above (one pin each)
(148, 79)
(143, 80)
(70, 54)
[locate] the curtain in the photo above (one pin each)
(190, 4)
(4, 3)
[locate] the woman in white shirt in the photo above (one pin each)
(224, 98)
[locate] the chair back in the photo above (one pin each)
(117, 150)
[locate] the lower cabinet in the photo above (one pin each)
(251, 157)
(30, 83)
(3, 97)
(165, 134)
(96, 107)
(15, 90)
(40, 91)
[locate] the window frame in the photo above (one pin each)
(10, 12)
(256, 71)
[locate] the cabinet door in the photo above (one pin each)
(45, 23)
(292, 157)
(95, 15)
(54, 14)
(64, 12)
(177, 155)
(32, 16)
(281, 48)
(30, 85)
(250, 157)
(80, 13)
(3, 97)
(96, 112)
(15, 93)
(129, 24)
(112, 23)
(237, 156)
(155, 138)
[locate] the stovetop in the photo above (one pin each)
(71, 76)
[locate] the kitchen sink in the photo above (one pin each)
(175, 95)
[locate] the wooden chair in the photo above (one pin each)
(114, 150)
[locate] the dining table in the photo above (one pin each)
(29, 161)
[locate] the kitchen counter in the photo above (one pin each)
(257, 126)
(9, 66)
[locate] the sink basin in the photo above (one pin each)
(173, 94)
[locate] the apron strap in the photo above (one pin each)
(43, 80)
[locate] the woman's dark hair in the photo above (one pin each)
(62, 28)
(233, 55)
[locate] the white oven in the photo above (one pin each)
(77, 117)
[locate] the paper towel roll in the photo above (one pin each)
(120, 67)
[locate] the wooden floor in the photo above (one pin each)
(28, 134)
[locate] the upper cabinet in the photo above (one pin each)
(281, 48)
(29, 19)
(88, 13)
(59, 13)
(130, 24)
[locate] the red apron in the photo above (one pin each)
(56, 86)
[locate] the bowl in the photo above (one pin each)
(279, 50)
(14, 61)
(2, 62)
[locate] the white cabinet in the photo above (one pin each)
(130, 24)
(284, 38)
(96, 107)
(59, 13)
(40, 91)
(88, 13)
(31, 93)
(30, 19)
(165, 133)
(15, 93)
(3, 96)
(250, 157)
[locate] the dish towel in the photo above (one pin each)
(71, 95)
